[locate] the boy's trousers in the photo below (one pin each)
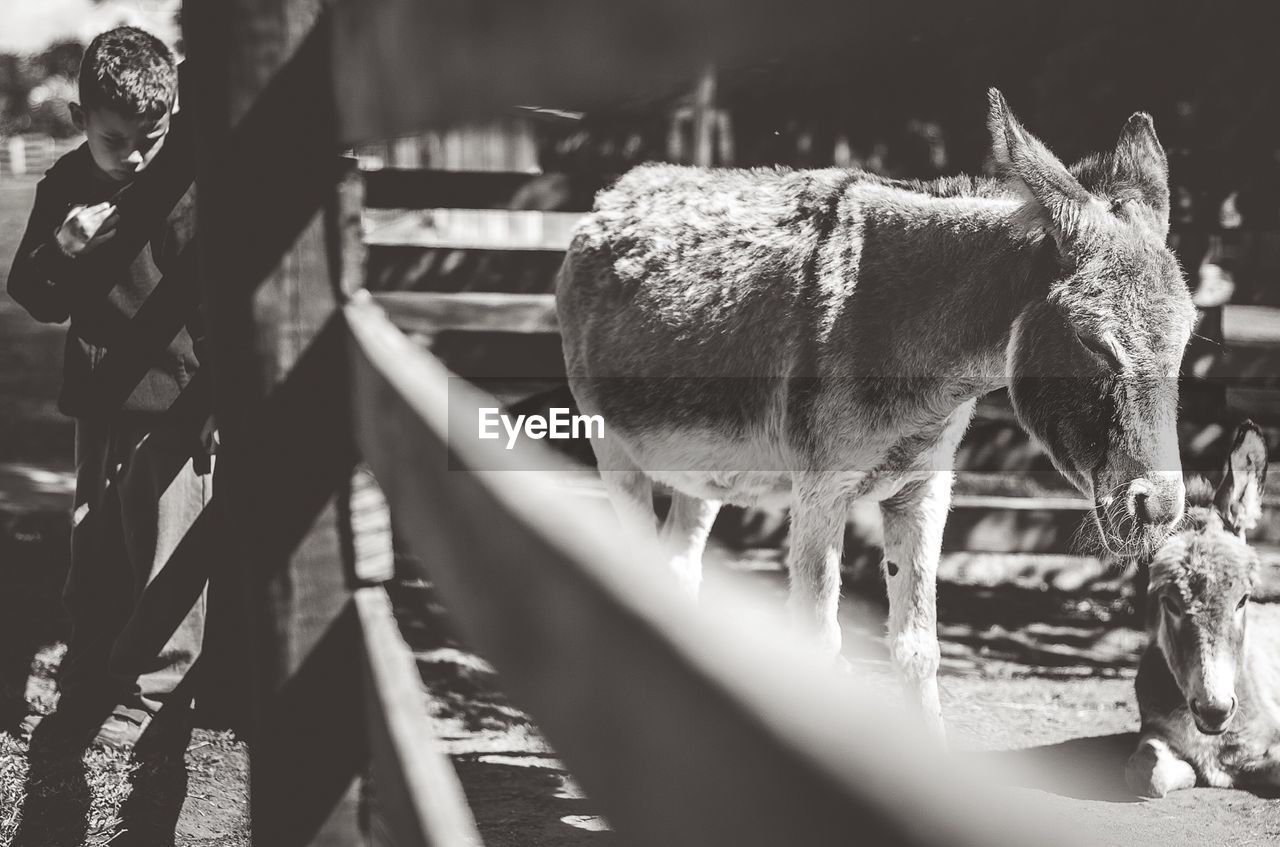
(137, 494)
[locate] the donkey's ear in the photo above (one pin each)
(1239, 495)
(1059, 202)
(1140, 164)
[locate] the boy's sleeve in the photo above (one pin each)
(40, 271)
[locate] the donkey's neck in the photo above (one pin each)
(942, 282)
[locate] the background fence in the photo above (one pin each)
(32, 155)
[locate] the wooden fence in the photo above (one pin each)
(686, 727)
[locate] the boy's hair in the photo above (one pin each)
(129, 71)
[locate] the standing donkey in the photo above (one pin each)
(1209, 683)
(808, 338)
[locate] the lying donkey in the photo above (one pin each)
(808, 338)
(1209, 684)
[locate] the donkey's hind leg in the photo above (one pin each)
(818, 518)
(684, 534)
(913, 524)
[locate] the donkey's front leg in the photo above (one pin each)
(913, 523)
(818, 517)
(1154, 769)
(685, 533)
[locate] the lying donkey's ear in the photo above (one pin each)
(1239, 496)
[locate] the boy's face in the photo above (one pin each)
(122, 145)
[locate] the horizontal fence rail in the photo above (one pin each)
(466, 229)
(1251, 326)
(471, 311)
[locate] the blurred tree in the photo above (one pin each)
(35, 90)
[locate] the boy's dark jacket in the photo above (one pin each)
(133, 301)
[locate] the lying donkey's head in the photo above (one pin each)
(1201, 579)
(1093, 360)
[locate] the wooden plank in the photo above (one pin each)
(414, 188)
(271, 272)
(738, 733)
(431, 312)
(416, 798)
(468, 229)
(704, 104)
(1262, 404)
(1251, 326)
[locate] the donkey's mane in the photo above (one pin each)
(1097, 173)
(1208, 553)
(962, 185)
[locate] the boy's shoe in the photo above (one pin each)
(122, 729)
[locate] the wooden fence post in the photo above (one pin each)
(704, 117)
(271, 266)
(17, 155)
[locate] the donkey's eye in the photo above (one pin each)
(1243, 601)
(1171, 606)
(1102, 350)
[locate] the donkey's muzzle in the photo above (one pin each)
(1140, 514)
(1212, 718)
(1152, 505)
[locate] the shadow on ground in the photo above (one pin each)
(1054, 617)
(1087, 768)
(521, 795)
(52, 795)
(33, 567)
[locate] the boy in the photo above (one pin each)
(109, 246)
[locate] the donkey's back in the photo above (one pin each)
(682, 261)
(676, 265)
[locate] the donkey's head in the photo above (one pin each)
(1093, 359)
(1201, 579)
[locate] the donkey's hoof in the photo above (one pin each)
(1153, 771)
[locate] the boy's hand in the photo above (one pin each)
(209, 435)
(202, 461)
(87, 227)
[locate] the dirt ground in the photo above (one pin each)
(1037, 675)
